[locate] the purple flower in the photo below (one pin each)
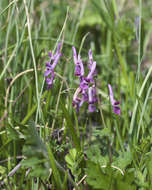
(92, 98)
(49, 73)
(79, 69)
(84, 83)
(91, 73)
(115, 104)
(87, 89)
(76, 100)
(91, 62)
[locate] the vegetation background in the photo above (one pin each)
(44, 143)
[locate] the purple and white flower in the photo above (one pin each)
(50, 66)
(115, 104)
(86, 89)
(79, 69)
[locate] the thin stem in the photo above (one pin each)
(33, 57)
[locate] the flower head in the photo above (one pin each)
(50, 66)
(115, 104)
(79, 69)
(87, 89)
(91, 62)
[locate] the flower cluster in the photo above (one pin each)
(50, 66)
(86, 92)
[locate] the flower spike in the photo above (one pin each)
(49, 73)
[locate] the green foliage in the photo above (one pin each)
(62, 149)
(107, 178)
(73, 160)
(2, 172)
(94, 155)
(35, 152)
(125, 30)
(125, 159)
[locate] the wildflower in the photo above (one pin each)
(86, 89)
(79, 69)
(49, 73)
(116, 108)
(85, 81)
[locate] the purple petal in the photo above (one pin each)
(58, 50)
(56, 60)
(47, 72)
(116, 108)
(76, 100)
(92, 108)
(48, 64)
(83, 84)
(59, 47)
(92, 99)
(81, 65)
(93, 68)
(77, 70)
(84, 97)
(111, 94)
(74, 55)
(92, 95)
(50, 54)
(90, 57)
(49, 82)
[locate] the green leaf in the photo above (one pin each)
(32, 162)
(95, 177)
(149, 165)
(74, 160)
(102, 133)
(94, 155)
(69, 160)
(39, 172)
(125, 186)
(12, 133)
(73, 153)
(123, 160)
(3, 172)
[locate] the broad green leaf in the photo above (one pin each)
(12, 133)
(73, 153)
(69, 160)
(32, 162)
(94, 154)
(123, 160)
(96, 178)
